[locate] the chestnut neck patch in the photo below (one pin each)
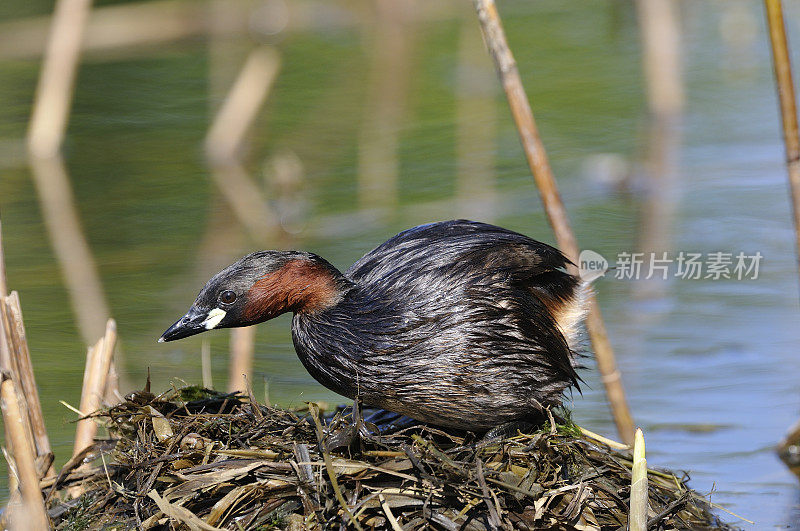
(299, 286)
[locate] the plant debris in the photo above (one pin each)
(202, 460)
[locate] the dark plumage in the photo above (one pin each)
(457, 323)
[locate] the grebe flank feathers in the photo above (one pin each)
(456, 323)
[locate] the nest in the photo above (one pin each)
(199, 459)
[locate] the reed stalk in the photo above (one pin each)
(3, 279)
(390, 35)
(95, 376)
(227, 133)
(225, 140)
(205, 361)
(495, 39)
(70, 246)
(86, 428)
(788, 106)
(241, 364)
(27, 381)
(791, 137)
(224, 143)
(476, 127)
(5, 351)
(637, 517)
(46, 131)
(33, 515)
(9, 331)
(54, 92)
(136, 29)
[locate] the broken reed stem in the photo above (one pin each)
(495, 39)
(85, 428)
(783, 79)
(241, 362)
(205, 361)
(637, 518)
(33, 514)
(26, 378)
(95, 376)
(9, 334)
(54, 91)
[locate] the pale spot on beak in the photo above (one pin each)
(213, 319)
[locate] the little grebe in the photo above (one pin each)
(457, 323)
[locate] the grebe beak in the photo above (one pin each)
(194, 322)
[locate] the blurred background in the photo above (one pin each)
(371, 117)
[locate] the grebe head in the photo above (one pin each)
(260, 286)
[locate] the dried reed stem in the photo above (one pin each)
(660, 30)
(3, 278)
(223, 145)
(783, 78)
(637, 518)
(791, 137)
(5, 350)
(495, 39)
(86, 428)
(9, 332)
(54, 92)
(476, 127)
(241, 362)
(136, 29)
(98, 363)
(389, 73)
(247, 201)
(241, 105)
(26, 379)
(205, 361)
(225, 139)
(33, 514)
(658, 20)
(69, 243)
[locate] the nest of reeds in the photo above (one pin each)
(199, 459)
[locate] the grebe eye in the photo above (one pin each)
(227, 297)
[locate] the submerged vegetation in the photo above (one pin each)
(198, 459)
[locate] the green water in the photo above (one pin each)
(710, 367)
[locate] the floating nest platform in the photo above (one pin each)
(200, 460)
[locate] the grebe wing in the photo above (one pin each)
(454, 248)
